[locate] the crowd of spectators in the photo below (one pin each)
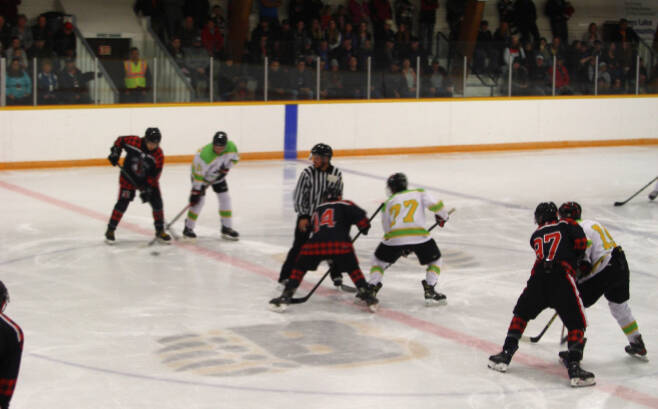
(50, 43)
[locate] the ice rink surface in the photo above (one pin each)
(187, 325)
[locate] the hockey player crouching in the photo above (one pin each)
(604, 271)
(403, 219)
(141, 170)
(330, 241)
(210, 166)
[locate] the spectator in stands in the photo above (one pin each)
(557, 48)
(332, 83)
(5, 32)
(287, 51)
(506, 11)
(380, 12)
(47, 84)
(583, 56)
(299, 37)
(173, 12)
(404, 13)
(212, 39)
(520, 78)
(525, 19)
(136, 77)
(562, 79)
(199, 10)
(354, 80)
(625, 34)
(393, 82)
(296, 11)
(301, 82)
(333, 35)
(611, 58)
(40, 51)
(529, 50)
(262, 29)
(591, 35)
(344, 53)
(22, 31)
(325, 16)
(409, 76)
(228, 78)
(217, 15)
(604, 76)
(455, 10)
(437, 84)
(188, 32)
(323, 53)
(512, 51)
(176, 50)
(19, 84)
(538, 78)
(277, 82)
(316, 32)
(269, 11)
(259, 51)
(197, 61)
(16, 50)
(64, 44)
(362, 34)
(414, 52)
(9, 9)
(402, 38)
(366, 51)
(482, 55)
(348, 32)
(358, 12)
(386, 56)
(559, 12)
(427, 21)
(41, 30)
(544, 49)
(153, 10)
(501, 40)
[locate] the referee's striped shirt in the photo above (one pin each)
(312, 184)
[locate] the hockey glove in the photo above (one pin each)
(364, 226)
(195, 196)
(115, 154)
(440, 220)
(145, 194)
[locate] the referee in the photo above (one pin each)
(310, 188)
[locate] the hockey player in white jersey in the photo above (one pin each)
(403, 219)
(210, 166)
(604, 271)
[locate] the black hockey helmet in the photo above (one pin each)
(397, 182)
(220, 138)
(570, 210)
(332, 192)
(4, 295)
(153, 135)
(545, 212)
(322, 149)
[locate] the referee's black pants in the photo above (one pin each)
(300, 238)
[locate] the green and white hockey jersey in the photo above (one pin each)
(209, 168)
(403, 217)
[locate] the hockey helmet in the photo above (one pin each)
(570, 210)
(397, 182)
(4, 295)
(220, 138)
(153, 135)
(545, 212)
(322, 149)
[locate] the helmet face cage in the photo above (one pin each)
(220, 139)
(153, 135)
(570, 210)
(546, 212)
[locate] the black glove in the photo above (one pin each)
(195, 196)
(584, 268)
(364, 226)
(115, 154)
(145, 194)
(440, 220)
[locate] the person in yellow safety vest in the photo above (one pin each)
(136, 77)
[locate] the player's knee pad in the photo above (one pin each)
(127, 195)
(220, 187)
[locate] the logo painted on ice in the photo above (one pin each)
(249, 350)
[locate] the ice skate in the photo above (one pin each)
(636, 349)
(162, 236)
(230, 234)
(432, 297)
(578, 376)
(280, 303)
(500, 361)
(188, 234)
(367, 294)
(109, 236)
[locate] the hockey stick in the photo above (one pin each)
(541, 334)
(636, 193)
(305, 298)
(168, 226)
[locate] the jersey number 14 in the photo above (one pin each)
(327, 219)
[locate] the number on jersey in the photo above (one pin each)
(327, 219)
(606, 238)
(546, 246)
(410, 207)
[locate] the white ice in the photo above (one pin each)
(187, 326)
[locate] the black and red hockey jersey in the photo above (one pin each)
(11, 349)
(330, 224)
(143, 167)
(561, 242)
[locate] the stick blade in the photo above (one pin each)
(619, 203)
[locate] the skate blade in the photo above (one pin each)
(162, 241)
(373, 308)
(345, 289)
(110, 242)
(230, 238)
(435, 303)
(278, 308)
(498, 366)
(579, 383)
(642, 358)
(186, 239)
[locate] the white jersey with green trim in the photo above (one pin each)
(209, 168)
(599, 246)
(403, 217)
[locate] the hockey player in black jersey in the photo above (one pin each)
(559, 246)
(11, 349)
(330, 241)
